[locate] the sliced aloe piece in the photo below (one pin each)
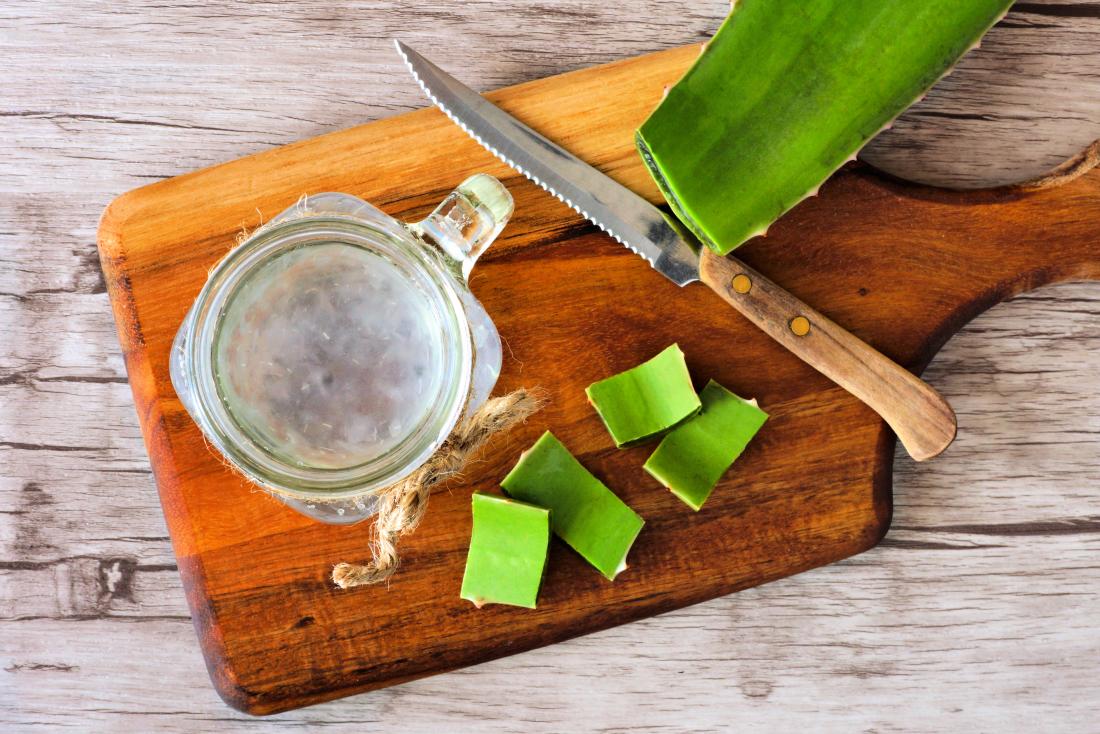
(646, 400)
(507, 552)
(693, 457)
(785, 93)
(583, 512)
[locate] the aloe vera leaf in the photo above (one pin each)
(785, 93)
(508, 547)
(693, 457)
(646, 400)
(583, 512)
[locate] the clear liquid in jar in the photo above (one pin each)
(329, 355)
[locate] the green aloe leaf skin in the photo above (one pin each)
(507, 554)
(693, 457)
(788, 91)
(647, 400)
(583, 511)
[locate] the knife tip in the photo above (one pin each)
(402, 49)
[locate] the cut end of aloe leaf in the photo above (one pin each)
(583, 511)
(508, 547)
(693, 457)
(647, 400)
(786, 93)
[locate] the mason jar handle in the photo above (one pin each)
(468, 220)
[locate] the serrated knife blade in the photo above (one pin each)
(612, 207)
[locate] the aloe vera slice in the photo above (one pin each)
(507, 552)
(646, 400)
(583, 512)
(785, 93)
(693, 457)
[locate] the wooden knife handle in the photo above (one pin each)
(921, 418)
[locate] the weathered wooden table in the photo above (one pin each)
(978, 612)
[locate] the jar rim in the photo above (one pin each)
(242, 450)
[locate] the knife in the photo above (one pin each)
(923, 421)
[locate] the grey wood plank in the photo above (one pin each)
(976, 612)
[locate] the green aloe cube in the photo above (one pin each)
(507, 554)
(693, 457)
(646, 400)
(583, 512)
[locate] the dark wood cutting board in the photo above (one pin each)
(901, 266)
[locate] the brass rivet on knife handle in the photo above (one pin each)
(800, 326)
(922, 419)
(741, 283)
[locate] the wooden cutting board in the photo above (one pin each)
(903, 267)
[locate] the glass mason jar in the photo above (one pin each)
(333, 351)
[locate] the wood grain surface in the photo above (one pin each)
(976, 612)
